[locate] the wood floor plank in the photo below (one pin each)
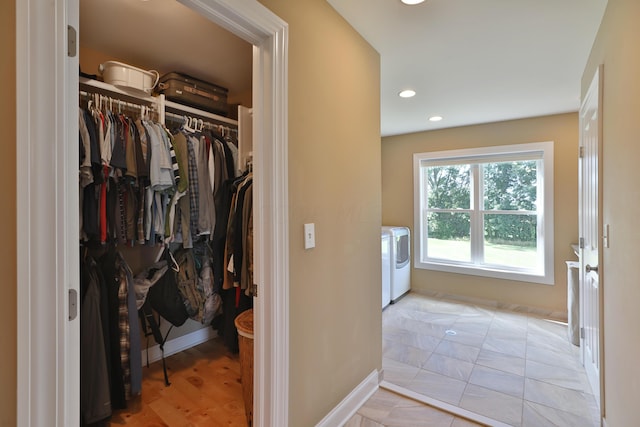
(218, 417)
(137, 415)
(205, 390)
(193, 393)
(169, 412)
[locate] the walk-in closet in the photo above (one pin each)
(165, 195)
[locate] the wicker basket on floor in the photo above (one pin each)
(244, 324)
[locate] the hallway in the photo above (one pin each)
(518, 369)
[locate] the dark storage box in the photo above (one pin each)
(196, 93)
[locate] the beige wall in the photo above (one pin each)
(8, 216)
(616, 47)
(334, 182)
(397, 201)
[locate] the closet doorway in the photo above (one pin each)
(51, 80)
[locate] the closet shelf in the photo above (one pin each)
(110, 90)
(95, 86)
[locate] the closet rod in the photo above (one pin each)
(181, 118)
(190, 111)
(119, 104)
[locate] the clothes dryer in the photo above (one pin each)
(400, 260)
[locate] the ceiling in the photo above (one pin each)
(476, 61)
(470, 61)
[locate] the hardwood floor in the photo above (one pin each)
(205, 390)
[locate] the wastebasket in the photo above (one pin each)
(573, 301)
(244, 324)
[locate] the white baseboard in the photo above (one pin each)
(350, 404)
(444, 406)
(560, 315)
(176, 345)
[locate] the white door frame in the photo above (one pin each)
(47, 224)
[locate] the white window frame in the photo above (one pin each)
(536, 150)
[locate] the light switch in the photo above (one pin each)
(309, 236)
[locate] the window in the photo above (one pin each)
(486, 211)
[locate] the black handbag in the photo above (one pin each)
(165, 298)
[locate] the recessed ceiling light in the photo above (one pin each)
(435, 118)
(407, 93)
(412, 2)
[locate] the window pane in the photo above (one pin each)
(449, 236)
(510, 185)
(448, 187)
(511, 240)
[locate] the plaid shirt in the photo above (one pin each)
(123, 325)
(194, 205)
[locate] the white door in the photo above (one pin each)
(590, 224)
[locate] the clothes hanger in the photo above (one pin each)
(173, 263)
(186, 126)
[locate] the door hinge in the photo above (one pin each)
(581, 152)
(72, 41)
(581, 243)
(254, 290)
(73, 304)
(582, 333)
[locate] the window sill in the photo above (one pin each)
(531, 277)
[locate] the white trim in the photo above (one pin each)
(352, 402)
(23, 226)
(444, 406)
(247, 19)
(47, 222)
(556, 315)
(178, 344)
(47, 218)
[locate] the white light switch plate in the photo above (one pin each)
(309, 236)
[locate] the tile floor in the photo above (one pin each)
(517, 369)
(388, 409)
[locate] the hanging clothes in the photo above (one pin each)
(95, 395)
(124, 341)
(237, 194)
(141, 184)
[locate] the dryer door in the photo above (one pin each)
(402, 250)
